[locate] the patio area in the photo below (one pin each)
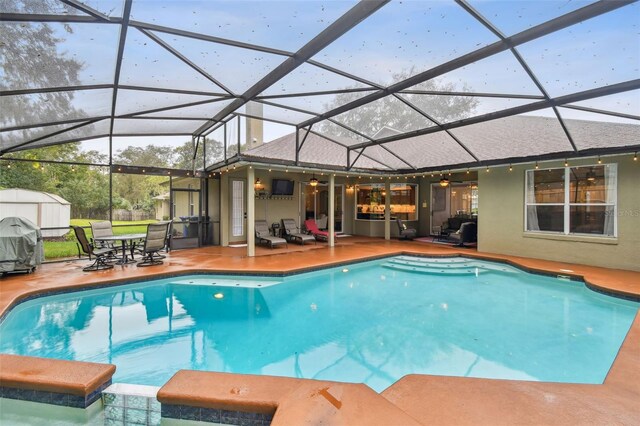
(413, 398)
(510, 128)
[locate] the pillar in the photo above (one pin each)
(332, 209)
(251, 213)
(387, 210)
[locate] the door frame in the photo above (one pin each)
(302, 210)
(243, 237)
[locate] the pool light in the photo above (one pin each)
(218, 296)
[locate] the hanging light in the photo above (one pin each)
(258, 184)
(537, 167)
(566, 163)
(599, 160)
(510, 168)
(591, 176)
(635, 156)
(444, 182)
(313, 181)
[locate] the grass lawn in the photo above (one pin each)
(62, 249)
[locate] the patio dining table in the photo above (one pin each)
(124, 238)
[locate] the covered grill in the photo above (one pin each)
(20, 245)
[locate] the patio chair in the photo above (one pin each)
(322, 221)
(292, 232)
(155, 241)
(101, 254)
(468, 233)
(263, 236)
(103, 228)
(405, 233)
(319, 235)
(100, 229)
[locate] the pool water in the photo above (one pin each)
(371, 322)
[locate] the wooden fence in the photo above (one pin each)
(121, 214)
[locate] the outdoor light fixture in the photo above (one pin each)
(444, 182)
(487, 169)
(313, 181)
(258, 184)
(635, 156)
(537, 166)
(566, 163)
(599, 160)
(510, 168)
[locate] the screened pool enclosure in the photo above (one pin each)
(381, 87)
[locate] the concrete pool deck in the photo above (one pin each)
(425, 399)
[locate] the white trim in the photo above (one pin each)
(567, 204)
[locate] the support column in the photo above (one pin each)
(387, 209)
(332, 209)
(224, 209)
(251, 213)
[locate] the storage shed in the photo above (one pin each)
(43, 209)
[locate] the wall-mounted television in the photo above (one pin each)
(281, 187)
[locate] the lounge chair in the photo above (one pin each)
(292, 232)
(468, 233)
(155, 241)
(263, 236)
(319, 235)
(101, 254)
(405, 233)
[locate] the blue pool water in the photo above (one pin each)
(372, 322)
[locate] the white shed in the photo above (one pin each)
(43, 209)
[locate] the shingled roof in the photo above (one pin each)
(511, 137)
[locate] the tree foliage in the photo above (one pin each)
(390, 112)
(32, 58)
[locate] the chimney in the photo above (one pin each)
(254, 126)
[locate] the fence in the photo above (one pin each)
(121, 214)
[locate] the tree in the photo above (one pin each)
(32, 59)
(389, 111)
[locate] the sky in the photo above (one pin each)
(403, 36)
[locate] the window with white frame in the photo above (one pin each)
(572, 200)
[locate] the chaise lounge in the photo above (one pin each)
(319, 235)
(292, 232)
(263, 236)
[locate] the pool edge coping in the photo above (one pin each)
(40, 292)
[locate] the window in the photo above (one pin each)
(237, 208)
(572, 200)
(371, 199)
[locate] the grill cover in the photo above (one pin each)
(20, 245)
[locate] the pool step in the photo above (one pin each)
(445, 266)
(427, 263)
(437, 260)
(432, 270)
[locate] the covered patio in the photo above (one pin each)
(491, 401)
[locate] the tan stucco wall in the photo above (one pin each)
(501, 219)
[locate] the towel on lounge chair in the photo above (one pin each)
(263, 236)
(311, 226)
(292, 232)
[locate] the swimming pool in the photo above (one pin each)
(371, 322)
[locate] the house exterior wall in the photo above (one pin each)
(501, 220)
